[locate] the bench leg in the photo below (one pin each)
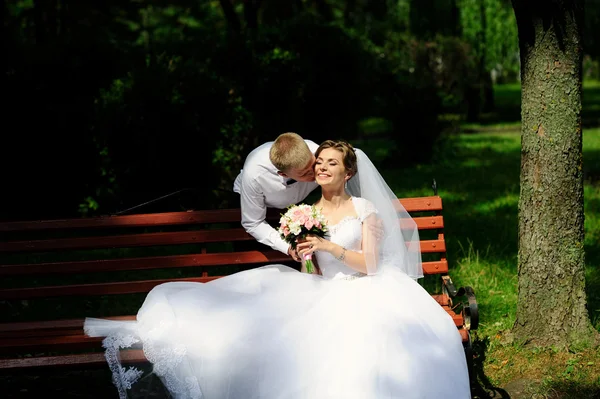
(469, 356)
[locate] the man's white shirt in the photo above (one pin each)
(260, 187)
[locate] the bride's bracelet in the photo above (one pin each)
(342, 255)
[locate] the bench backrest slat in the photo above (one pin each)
(162, 238)
(418, 204)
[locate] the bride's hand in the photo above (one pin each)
(312, 243)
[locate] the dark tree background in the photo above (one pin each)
(108, 105)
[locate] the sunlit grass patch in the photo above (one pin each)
(478, 179)
(549, 373)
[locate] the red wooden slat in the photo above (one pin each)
(83, 359)
(128, 240)
(138, 220)
(427, 247)
(14, 329)
(37, 344)
(456, 318)
(435, 267)
(157, 262)
(153, 239)
(419, 204)
(151, 262)
(79, 341)
(131, 287)
(128, 287)
(427, 222)
(41, 333)
(131, 356)
(464, 334)
(442, 299)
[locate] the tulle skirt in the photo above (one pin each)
(273, 332)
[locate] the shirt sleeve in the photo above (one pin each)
(254, 212)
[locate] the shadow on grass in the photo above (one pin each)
(562, 390)
(592, 255)
(481, 386)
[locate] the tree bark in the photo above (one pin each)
(551, 307)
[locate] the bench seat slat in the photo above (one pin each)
(49, 343)
(150, 262)
(71, 340)
(133, 287)
(13, 329)
(75, 326)
(126, 287)
(87, 359)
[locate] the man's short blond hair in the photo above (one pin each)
(289, 151)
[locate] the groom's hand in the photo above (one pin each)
(376, 227)
(292, 252)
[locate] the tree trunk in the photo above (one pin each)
(551, 307)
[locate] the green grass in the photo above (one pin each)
(478, 178)
(477, 168)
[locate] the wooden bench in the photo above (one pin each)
(56, 272)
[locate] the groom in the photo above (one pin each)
(275, 175)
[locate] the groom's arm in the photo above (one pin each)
(254, 213)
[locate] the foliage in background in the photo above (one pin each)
(489, 26)
(155, 94)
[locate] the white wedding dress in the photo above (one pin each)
(273, 332)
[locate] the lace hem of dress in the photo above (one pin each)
(122, 378)
(165, 361)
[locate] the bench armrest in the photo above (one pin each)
(470, 308)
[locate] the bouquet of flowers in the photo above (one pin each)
(297, 222)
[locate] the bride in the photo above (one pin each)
(361, 327)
